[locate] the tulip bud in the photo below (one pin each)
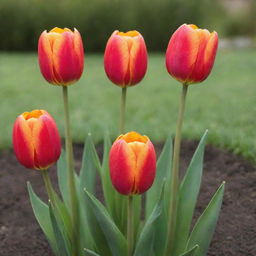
(125, 58)
(191, 53)
(61, 56)
(36, 140)
(132, 163)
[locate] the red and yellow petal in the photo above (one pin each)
(64, 58)
(182, 52)
(116, 59)
(138, 60)
(46, 142)
(146, 168)
(45, 58)
(122, 163)
(79, 52)
(23, 143)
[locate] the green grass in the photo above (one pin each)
(225, 103)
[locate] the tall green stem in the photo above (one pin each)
(49, 187)
(175, 175)
(71, 175)
(122, 110)
(130, 225)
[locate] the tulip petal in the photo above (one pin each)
(64, 59)
(23, 142)
(198, 71)
(182, 52)
(79, 51)
(116, 59)
(45, 58)
(46, 142)
(138, 60)
(122, 162)
(146, 168)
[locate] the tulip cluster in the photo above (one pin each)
(78, 223)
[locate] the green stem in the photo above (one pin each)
(175, 175)
(71, 175)
(122, 110)
(49, 187)
(130, 225)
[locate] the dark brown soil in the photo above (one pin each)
(235, 235)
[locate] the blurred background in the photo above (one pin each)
(22, 21)
(225, 103)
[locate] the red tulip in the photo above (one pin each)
(132, 163)
(191, 53)
(36, 140)
(125, 58)
(61, 56)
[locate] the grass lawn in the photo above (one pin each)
(225, 103)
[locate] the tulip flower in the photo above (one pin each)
(125, 58)
(36, 140)
(132, 163)
(191, 53)
(61, 56)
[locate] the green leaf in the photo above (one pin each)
(163, 171)
(205, 225)
(108, 189)
(62, 172)
(191, 252)
(144, 246)
(188, 193)
(91, 253)
(114, 237)
(90, 163)
(41, 212)
(61, 240)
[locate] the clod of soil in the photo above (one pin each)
(235, 235)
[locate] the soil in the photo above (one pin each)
(235, 234)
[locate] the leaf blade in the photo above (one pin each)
(204, 228)
(188, 193)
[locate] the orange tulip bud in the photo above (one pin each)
(36, 140)
(61, 56)
(132, 163)
(191, 53)
(125, 58)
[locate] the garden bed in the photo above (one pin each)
(235, 235)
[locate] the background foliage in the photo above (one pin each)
(24, 20)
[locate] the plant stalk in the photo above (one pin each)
(71, 176)
(130, 226)
(122, 110)
(49, 187)
(175, 175)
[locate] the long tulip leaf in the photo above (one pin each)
(188, 193)
(191, 252)
(41, 212)
(61, 240)
(114, 237)
(90, 164)
(91, 253)
(163, 170)
(204, 228)
(145, 243)
(63, 178)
